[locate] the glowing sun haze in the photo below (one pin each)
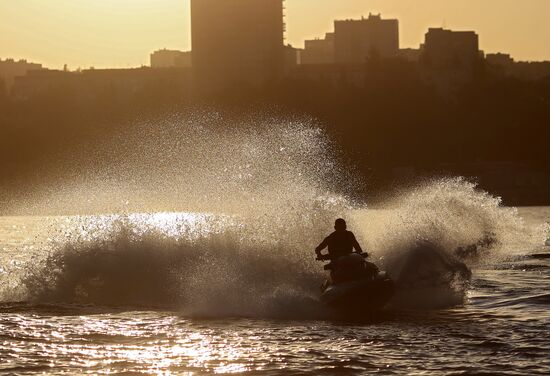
(120, 33)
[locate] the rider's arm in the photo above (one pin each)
(321, 246)
(356, 245)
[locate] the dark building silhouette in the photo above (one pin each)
(237, 42)
(499, 59)
(532, 70)
(447, 49)
(504, 64)
(449, 59)
(499, 63)
(355, 41)
(318, 51)
(170, 59)
(10, 69)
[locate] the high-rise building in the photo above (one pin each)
(447, 49)
(355, 41)
(237, 42)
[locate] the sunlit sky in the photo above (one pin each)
(122, 33)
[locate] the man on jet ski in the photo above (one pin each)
(340, 243)
(355, 285)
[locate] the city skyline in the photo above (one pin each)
(65, 32)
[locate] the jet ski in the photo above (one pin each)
(356, 286)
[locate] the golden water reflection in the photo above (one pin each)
(163, 347)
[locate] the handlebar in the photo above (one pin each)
(321, 257)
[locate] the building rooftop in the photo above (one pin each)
(371, 17)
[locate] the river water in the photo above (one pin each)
(208, 267)
(113, 294)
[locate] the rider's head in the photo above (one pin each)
(340, 224)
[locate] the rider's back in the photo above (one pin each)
(340, 243)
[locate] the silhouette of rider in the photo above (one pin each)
(340, 243)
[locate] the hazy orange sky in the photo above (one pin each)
(121, 33)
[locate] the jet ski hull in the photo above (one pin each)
(363, 295)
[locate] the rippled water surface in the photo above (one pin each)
(503, 326)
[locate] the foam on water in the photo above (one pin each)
(254, 200)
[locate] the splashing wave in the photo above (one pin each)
(270, 189)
